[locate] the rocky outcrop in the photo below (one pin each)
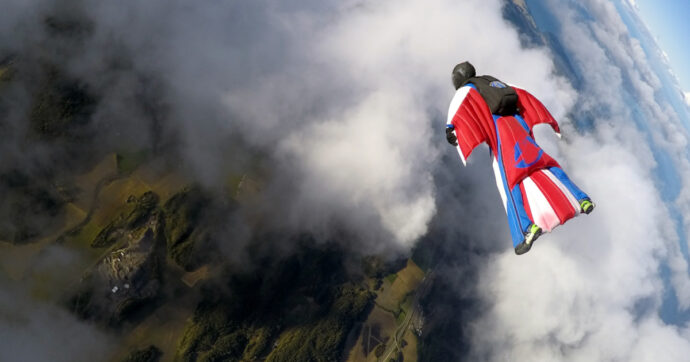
(128, 277)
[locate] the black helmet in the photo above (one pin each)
(461, 73)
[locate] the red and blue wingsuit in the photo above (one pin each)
(534, 188)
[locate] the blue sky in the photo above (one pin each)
(668, 21)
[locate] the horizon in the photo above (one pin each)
(667, 22)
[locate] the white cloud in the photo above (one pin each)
(591, 290)
(573, 297)
(342, 93)
(370, 151)
(32, 326)
(687, 98)
(34, 331)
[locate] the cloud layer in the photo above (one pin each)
(593, 290)
(344, 104)
(346, 101)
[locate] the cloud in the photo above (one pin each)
(342, 103)
(345, 104)
(569, 300)
(592, 290)
(687, 98)
(35, 331)
(374, 100)
(341, 109)
(33, 327)
(633, 4)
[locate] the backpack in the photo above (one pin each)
(501, 98)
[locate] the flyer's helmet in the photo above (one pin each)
(461, 73)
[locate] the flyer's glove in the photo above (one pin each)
(450, 136)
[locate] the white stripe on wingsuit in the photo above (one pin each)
(499, 184)
(462, 157)
(455, 103)
(542, 212)
(566, 192)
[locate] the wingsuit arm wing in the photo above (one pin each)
(470, 117)
(534, 112)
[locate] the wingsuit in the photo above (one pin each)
(537, 194)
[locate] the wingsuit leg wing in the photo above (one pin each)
(549, 201)
(547, 198)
